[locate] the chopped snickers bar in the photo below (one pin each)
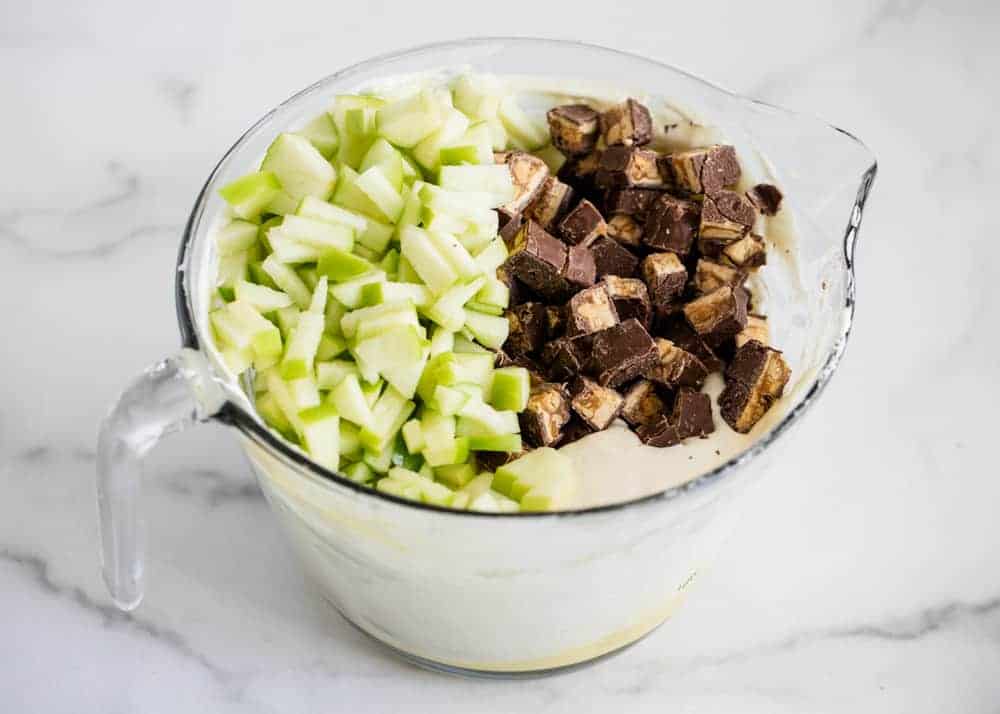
(627, 124)
(726, 216)
(704, 170)
(665, 276)
(527, 328)
(581, 270)
(582, 225)
(691, 416)
(510, 227)
(565, 357)
(755, 379)
(628, 166)
(575, 429)
(610, 258)
(672, 224)
(677, 367)
(642, 404)
(579, 172)
(766, 197)
(555, 321)
(597, 406)
(551, 203)
(756, 329)
(718, 315)
(746, 253)
(710, 276)
(621, 353)
(538, 260)
(634, 202)
(678, 331)
(589, 311)
(528, 173)
(574, 128)
(625, 229)
(630, 298)
(492, 460)
(545, 415)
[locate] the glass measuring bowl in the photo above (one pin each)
(491, 593)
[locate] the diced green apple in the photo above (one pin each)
(300, 169)
(522, 130)
(433, 268)
(510, 388)
(406, 121)
(329, 374)
(288, 280)
(236, 237)
(359, 472)
(262, 299)
(489, 330)
(250, 195)
(493, 179)
(388, 416)
(350, 401)
(340, 266)
(348, 293)
(321, 434)
(322, 133)
(542, 479)
(301, 350)
(413, 436)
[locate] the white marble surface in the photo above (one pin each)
(866, 573)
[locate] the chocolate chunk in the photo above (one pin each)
(642, 404)
(627, 124)
(581, 270)
(565, 357)
(551, 203)
(672, 224)
(621, 353)
(545, 415)
(579, 171)
(718, 315)
(510, 227)
(538, 260)
(625, 229)
(574, 128)
(610, 258)
(755, 379)
(756, 329)
(555, 321)
(597, 406)
(519, 292)
(665, 276)
(634, 202)
(528, 174)
(704, 170)
(681, 334)
(726, 217)
(574, 430)
(746, 253)
(628, 166)
(582, 225)
(492, 460)
(766, 197)
(589, 311)
(527, 328)
(710, 276)
(690, 417)
(630, 298)
(677, 367)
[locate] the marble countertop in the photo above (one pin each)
(865, 575)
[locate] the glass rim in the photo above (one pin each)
(235, 415)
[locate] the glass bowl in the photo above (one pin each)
(511, 594)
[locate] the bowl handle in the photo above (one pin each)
(166, 398)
